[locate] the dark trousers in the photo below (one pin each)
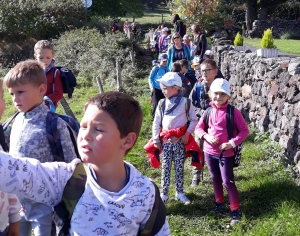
(156, 96)
(223, 175)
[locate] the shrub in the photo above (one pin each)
(89, 54)
(289, 35)
(238, 41)
(39, 19)
(267, 40)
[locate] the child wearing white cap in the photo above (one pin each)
(173, 116)
(218, 150)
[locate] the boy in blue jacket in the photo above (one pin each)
(156, 73)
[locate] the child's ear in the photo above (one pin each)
(43, 89)
(129, 141)
(34, 56)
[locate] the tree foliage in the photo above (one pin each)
(203, 12)
(117, 8)
(41, 19)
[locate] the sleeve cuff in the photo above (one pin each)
(232, 143)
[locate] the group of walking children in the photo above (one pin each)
(174, 114)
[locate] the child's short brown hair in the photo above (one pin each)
(210, 62)
(26, 72)
(123, 109)
(176, 67)
(43, 44)
(184, 63)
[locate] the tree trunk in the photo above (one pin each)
(263, 13)
(249, 14)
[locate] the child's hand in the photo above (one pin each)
(13, 229)
(185, 138)
(157, 145)
(211, 139)
(225, 146)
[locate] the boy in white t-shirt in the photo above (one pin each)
(117, 198)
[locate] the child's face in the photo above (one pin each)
(184, 69)
(99, 140)
(45, 56)
(168, 91)
(208, 73)
(219, 98)
(27, 96)
(2, 101)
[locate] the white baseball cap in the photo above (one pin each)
(165, 29)
(171, 79)
(208, 52)
(220, 85)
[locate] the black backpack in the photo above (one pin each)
(52, 131)
(68, 80)
(230, 128)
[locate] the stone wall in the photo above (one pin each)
(279, 27)
(267, 92)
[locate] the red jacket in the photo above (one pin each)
(191, 148)
(55, 93)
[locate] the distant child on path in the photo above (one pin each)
(117, 198)
(156, 73)
(44, 53)
(26, 83)
(173, 117)
(186, 40)
(10, 205)
(215, 138)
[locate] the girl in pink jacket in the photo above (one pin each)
(215, 138)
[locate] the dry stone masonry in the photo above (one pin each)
(267, 92)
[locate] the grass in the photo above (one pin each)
(151, 18)
(286, 45)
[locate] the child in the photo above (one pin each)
(215, 141)
(186, 40)
(189, 74)
(27, 85)
(173, 148)
(163, 41)
(210, 55)
(10, 205)
(117, 199)
(156, 73)
(200, 100)
(186, 84)
(43, 52)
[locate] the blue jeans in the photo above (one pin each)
(223, 175)
(36, 216)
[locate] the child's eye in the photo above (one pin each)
(100, 130)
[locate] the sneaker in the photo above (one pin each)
(236, 216)
(181, 197)
(195, 182)
(219, 208)
(164, 198)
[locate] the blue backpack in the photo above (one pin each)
(52, 131)
(68, 80)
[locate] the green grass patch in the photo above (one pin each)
(286, 45)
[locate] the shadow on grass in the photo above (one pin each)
(263, 200)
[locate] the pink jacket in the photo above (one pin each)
(217, 128)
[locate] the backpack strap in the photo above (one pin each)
(198, 91)
(157, 217)
(230, 121)
(187, 111)
(71, 195)
(2, 140)
(6, 123)
(206, 118)
(162, 107)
